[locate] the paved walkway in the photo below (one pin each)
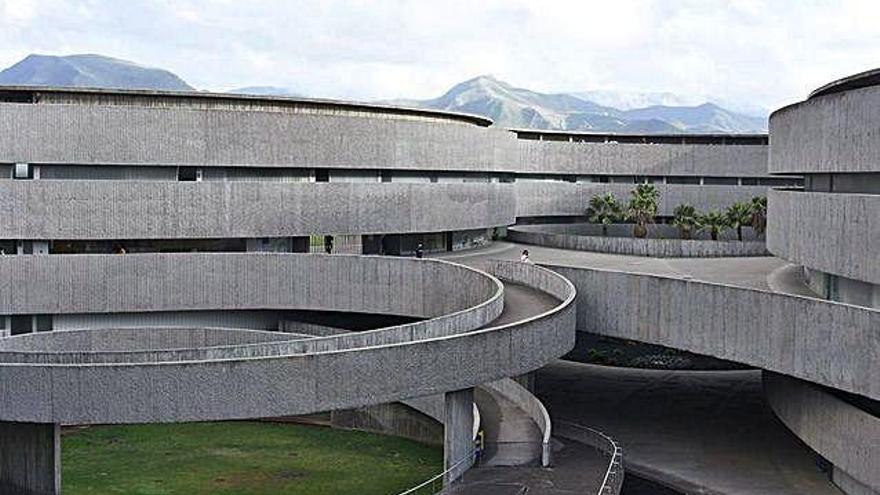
(510, 435)
(707, 431)
(577, 469)
(744, 272)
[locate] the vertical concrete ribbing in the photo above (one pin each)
(458, 436)
(30, 458)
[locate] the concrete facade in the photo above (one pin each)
(831, 232)
(138, 135)
(832, 227)
(643, 159)
(171, 210)
(824, 342)
(830, 133)
(847, 436)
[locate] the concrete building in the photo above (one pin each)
(156, 244)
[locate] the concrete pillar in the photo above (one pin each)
(30, 458)
(458, 442)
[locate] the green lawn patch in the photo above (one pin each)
(241, 458)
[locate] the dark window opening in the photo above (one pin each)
(21, 324)
(322, 175)
(187, 174)
(683, 179)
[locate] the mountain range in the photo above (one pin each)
(506, 105)
(509, 106)
(94, 71)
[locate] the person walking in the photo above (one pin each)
(328, 244)
(525, 256)
(420, 251)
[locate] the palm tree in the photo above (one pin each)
(739, 214)
(713, 222)
(685, 218)
(643, 207)
(605, 210)
(759, 214)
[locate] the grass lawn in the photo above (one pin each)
(240, 458)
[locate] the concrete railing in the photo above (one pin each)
(241, 385)
(218, 136)
(842, 433)
(532, 406)
(832, 232)
(827, 134)
(662, 248)
(829, 343)
(642, 159)
(480, 301)
(133, 339)
(132, 209)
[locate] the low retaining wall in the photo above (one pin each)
(842, 433)
(581, 237)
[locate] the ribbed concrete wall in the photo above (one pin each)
(30, 459)
(842, 433)
(92, 134)
(168, 210)
(820, 341)
(831, 232)
(246, 387)
(642, 159)
(660, 248)
(833, 133)
(236, 281)
(126, 134)
(134, 339)
(547, 198)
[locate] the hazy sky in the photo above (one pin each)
(763, 53)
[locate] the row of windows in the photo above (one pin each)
(199, 174)
(853, 183)
(704, 139)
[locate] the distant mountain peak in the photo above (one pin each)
(89, 70)
(510, 106)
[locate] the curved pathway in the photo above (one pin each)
(710, 432)
(704, 431)
(748, 272)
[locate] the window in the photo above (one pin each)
(720, 181)
(683, 179)
(189, 174)
(21, 324)
(322, 175)
(23, 171)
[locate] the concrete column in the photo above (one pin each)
(30, 458)
(458, 442)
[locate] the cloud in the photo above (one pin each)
(761, 53)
